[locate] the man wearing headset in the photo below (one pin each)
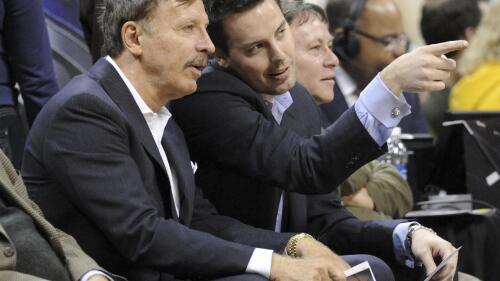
(368, 37)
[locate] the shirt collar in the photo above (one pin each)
(345, 82)
(145, 109)
(157, 121)
(280, 104)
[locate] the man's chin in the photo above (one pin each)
(185, 91)
(283, 88)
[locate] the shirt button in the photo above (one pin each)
(395, 112)
(8, 252)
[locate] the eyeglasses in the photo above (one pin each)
(391, 42)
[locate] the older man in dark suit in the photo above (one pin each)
(107, 164)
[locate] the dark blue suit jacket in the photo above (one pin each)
(25, 55)
(412, 124)
(246, 160)
(93, 167)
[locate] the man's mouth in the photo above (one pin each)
(200, 67)
(279, 74)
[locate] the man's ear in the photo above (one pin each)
(469, 33)
(131, 37)
(221, 58)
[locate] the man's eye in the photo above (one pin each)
(254, 48)
(188, 27)
(315, 48)
(281, 32)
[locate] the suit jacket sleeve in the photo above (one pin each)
(334, 226)
(206, 219)
(30, 60)
(229, 132)
(77, 262)
(88, 150)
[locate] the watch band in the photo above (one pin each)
(414, 228)
(291, 246)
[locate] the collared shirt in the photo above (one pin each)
(379, 110)
(260, 261)
(157, 121)
(347, 85)
(279, 104)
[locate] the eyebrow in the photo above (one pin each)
(246, 45)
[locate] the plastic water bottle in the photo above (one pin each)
(397, 154)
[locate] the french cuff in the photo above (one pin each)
(402, 249)
(384, 105)
(260, 262)
(92, 273)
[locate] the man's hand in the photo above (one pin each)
(426, 245)
(298, 269)
(359, 199)
(98, 278)
(422, 70)
(312, 248)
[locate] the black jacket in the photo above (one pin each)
(246, 160)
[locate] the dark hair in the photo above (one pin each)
(340, 11)
(445, 20)
(218, 11)
(118, 12)
(303, 12)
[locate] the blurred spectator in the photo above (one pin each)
(24, 59)
(445, 20)
(479, 89)
(66, 11)
(368, 37)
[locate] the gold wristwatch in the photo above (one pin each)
(291, 246)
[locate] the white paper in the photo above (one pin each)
(492, 178)
(360, 272)
(442, 264)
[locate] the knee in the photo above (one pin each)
(380, 269)
(243, 277)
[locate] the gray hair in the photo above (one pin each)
(114, 14)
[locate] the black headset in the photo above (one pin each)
(345, 43)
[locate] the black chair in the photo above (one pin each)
(70, 53)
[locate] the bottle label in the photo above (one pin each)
(402, 170)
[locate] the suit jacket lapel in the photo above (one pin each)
(115, 87)
(178, 158)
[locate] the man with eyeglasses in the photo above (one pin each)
(368, 37)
